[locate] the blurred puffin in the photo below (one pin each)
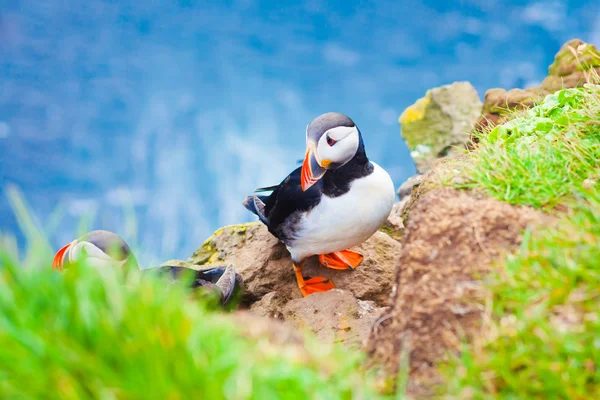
(336, 200)
(104, 249)
(99, 248)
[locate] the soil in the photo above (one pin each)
(451, 241)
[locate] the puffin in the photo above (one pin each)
(336, 200)
(99, 248)
(222, 280)
(102, 248)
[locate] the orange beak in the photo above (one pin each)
(59, 258)
(311, 169)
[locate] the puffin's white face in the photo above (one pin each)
(97, 248)
(92, 255)
(337, 146)
(332, 139)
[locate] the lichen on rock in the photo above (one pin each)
(440, 120)
(210, 252)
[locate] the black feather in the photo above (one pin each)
(288, 198)
(265, 189)
(284, 207)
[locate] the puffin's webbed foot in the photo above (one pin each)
(312, 285)
(341, 260)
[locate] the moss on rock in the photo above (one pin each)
(438, 121)
(209, 253)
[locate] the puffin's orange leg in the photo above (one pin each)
(312, 285)
(341, 260)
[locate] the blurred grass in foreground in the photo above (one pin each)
(111, 334)
(542, 338)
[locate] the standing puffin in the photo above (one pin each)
(104, 249)
(336, 200)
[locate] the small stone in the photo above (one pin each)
(589, 183)
(406, 188)
(270, 305)
(394, 221)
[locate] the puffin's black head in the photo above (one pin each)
(98, 247)
(332, 139)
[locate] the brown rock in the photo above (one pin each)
(574, 65)
(266, 267)
(270, 305)
(334, 316)
(574, 56)
(259, 328)
(452, 238)
(406, 188)
(394, 226)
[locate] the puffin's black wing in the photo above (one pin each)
(223, 279)
(286, 199)
(265, 189)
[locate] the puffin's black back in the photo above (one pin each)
(286, 199)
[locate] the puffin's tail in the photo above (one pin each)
(255, 205)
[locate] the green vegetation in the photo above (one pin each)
(113, 334)
(543, 337)
(545, 154)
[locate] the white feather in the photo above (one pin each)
(342, 222)
(347, 142)
(92, 255)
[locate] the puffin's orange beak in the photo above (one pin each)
(312, 171)
(59, 258)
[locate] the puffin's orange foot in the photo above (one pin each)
(316, 285)
(341, 260)
(312, 285)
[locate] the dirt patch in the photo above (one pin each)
(334, 316)
(451, 239)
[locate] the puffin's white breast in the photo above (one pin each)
(338, 223)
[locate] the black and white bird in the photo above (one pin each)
(99, 248)
(107, 249)
(337, 199)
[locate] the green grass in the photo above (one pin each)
(113, 334)
(545, 154)
(543, 337)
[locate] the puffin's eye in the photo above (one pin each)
(331, 141)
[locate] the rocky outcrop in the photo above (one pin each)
(575, 64)
(440, 120)
(266, 266)
(270, 287)
(451, 240)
